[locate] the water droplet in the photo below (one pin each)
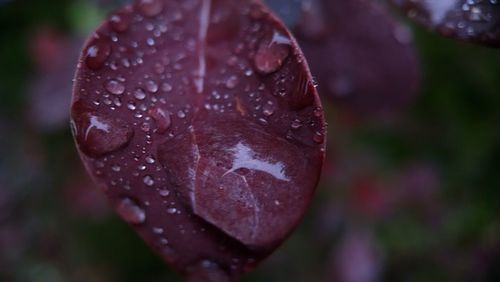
(296, 124)
(115, 87)
(164, 193)
(232, 82)
(318, 112)
(172, 210)
(181, 114)
(116, 168)
(319, 137)
(151, 86)
(149, 8)
(268, 109)
(162, 119)
(130, 211)
(139, 94)
(157, 230)
(148, 180)
(166, 87)
(150, 160)
(97, 54)
(119, 22)
(98, 135)
(272, 54)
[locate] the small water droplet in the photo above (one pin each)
(232, 82)
(139, 94)
(268, 109)
(319, 137)
(116, 168)
(97, 54)
(148, 180)
(119, 22)
(318, 112)
(157, 230)
(151, 86)
(166, 87)
(149, 8)
(172, 210)
(130, 211)
(181, 114)
(296, 124)
(164, 193)
(114, 87)
(150, 160)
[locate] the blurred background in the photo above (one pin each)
(413, 197)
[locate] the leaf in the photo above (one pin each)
(201, 121)
(475, 21)
(363, 60)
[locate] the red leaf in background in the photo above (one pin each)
(201, 120)
(362, 59)
(475, 21)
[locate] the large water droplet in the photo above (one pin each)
(149, 8)
(162, 119)
(98, 135)
(97, 54)
(130, 211)
(119, 22)
(272, 54)
(114, 87)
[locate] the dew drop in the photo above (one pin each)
(139, 94)
(172, 210)
(148, 180)
(232, 82)
(114, 87)
(319, 137)
(157, 230)
(181, 114)
(166, 87)
(296, 124)
(97, 54)
(150, 160)
(149, 8)
(98, 135)
(164, 193)
(151, 86)
(162, 119)
(268, 109)
(271, 55)
(119, 22)
(130, 211)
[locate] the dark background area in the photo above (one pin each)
(413, 198)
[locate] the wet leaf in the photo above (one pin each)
(362, 59)
(468, 20)
(201, 121)
(372, 66)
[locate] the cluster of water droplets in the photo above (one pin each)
(464, 18)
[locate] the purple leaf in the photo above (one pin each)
(475, 21)
(201, 121)
(363, 60)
